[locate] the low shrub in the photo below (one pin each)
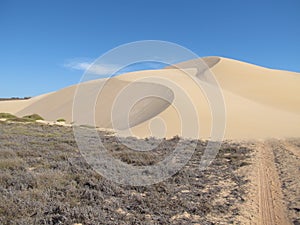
(33, 117)
(22, 120)
(7, 116)
(60, 120)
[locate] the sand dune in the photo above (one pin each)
(15, 106)
(275, 88)
(259, 102)
(245, 117)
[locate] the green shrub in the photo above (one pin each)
(7, 116)
(24, 119)
(87, 126)
(60, 120)
(33, 117)
(17, 119)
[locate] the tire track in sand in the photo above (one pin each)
(272, 210)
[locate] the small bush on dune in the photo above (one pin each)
(7, 116)
(61, 120)
(87, 126)
(22, 120)
(33, 117)
(28, 118)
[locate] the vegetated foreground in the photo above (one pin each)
(45, 180)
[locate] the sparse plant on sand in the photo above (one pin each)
(7, 116)
(21, 120)
(33, 117)
(24, 119)
(60, 120)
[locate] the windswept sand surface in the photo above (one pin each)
(259, 102)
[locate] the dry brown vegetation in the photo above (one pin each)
(287, 161)
(45, 180)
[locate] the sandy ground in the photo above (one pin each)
(287, 160)
(273, 195)
(15, 106)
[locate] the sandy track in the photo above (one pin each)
(271, 207)
(288, 167)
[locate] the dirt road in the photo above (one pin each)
(272, 209)
(270, 196)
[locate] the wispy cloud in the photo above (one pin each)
(105, 70)
(92, 68)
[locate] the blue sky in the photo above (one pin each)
(45, 45)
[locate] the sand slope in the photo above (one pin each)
(259, 102)
(274, 88)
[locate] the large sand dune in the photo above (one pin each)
(259, 102)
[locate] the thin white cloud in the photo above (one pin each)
(107, 70)
(87, 65)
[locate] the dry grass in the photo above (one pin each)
(45, 180)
